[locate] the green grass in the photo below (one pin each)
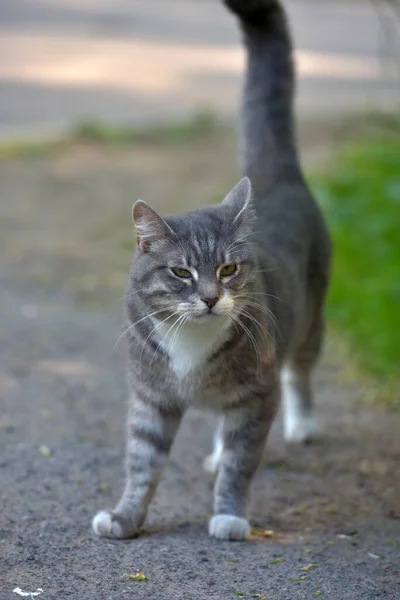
(360, 195)
(26, 148)
(201, 125)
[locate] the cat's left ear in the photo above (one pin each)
(150, 227)
(239, 202)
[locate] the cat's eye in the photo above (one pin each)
(228, 270)
(183, 273)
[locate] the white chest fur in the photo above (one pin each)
(196, 341)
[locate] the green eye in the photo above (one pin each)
(228, 270)
(181, 273)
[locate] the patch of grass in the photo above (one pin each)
(309, 567)
(276, 561)
(25, 148)
(200, 125)
(360, 195)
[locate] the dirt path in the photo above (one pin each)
(65, 249)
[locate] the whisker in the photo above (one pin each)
(260, 327)
(253, 341)
(177, 332)
(153, 330)
(128, 295)
(164, 337)
(242, 238)
(265, 309)
(269, 314)
(266, 270)
(268, 295)
(136, 323)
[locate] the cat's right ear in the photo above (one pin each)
(150, 227)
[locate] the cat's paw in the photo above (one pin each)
(229, 527)
(109, 524)
(302, 431)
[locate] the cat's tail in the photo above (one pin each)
(267, 138)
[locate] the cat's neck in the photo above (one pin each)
(190, 348)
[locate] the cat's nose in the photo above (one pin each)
(210, 301)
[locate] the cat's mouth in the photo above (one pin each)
(210, 315)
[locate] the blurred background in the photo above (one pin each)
(102, 103)
(138, 61)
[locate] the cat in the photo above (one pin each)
(225, 304)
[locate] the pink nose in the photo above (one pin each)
(210, 301)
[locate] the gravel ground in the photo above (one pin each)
(64, 250)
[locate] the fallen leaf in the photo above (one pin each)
(301, 578)
(104, 487)
(317, 594)
(348, 535)
(277, 560)
(331, 511)
(309, 567)
(138, 577)
(44, 451)
(260, 596)
(232, 560)
(259, 532)
(298, 510)
(374, 466)
(269, 533)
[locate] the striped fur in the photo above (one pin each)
(220, 343)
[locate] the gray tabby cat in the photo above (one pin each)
(226, 303)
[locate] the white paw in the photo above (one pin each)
(301, 430)
(211, 463)
(104, 525)
(108, 524)
(229, 527)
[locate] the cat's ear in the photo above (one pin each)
(150, 227)
(238, 201)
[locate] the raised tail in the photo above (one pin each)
(267, 137)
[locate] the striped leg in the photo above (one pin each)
(150, 436)
(244, 435)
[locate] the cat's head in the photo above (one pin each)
(198, 264)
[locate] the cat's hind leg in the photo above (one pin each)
(299, 423)
(212, 461)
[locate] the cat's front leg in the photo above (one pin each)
(151, 431)
(244, 434)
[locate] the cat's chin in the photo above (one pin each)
(209, 317)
